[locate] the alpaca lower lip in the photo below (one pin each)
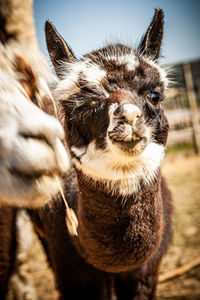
(27, 177)
(127, 144)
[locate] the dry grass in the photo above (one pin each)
(182, 171)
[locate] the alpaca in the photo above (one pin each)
(32, 154)
(116, 131)
(31, 151)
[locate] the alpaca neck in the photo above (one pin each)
(116, 236)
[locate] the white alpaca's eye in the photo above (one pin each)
(94, 103)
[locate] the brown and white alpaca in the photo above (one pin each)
(32, 155)
(116, 131)
(31, 150)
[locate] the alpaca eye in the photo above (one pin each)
(154, 97)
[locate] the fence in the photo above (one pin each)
(182, 108)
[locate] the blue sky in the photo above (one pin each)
(87, 25)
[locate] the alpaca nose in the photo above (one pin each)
(128, 112)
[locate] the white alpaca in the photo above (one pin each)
(32, 154)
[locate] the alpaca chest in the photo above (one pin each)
(118, 236)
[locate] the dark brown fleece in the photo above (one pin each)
(7, 247)
(119, 237)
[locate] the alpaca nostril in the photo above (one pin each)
(128, 112)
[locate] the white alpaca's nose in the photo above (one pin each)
(128, 112)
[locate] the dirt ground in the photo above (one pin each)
(182, 171)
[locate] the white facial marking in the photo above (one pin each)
(161, 71)
(91, 72)
(86, 70)
(129, 60)
(113, 121)
(78, 151)
(114, 168)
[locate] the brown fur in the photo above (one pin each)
(7, 247)
(28, 79)
(108, 238)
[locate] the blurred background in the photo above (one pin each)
(87, 25)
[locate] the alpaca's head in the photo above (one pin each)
(31, 151)
(112, 103)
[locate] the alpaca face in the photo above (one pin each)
(115, 124)
(31, 152)
(113, 106)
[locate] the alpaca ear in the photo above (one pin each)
(58, 49)
(151, 42)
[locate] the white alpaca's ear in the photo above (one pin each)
(58, 49)
(151, 42)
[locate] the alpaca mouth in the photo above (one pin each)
(28, 177)
(127, 137)
(127, 145)
(134, 147)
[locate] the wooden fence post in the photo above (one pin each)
(193, 106)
